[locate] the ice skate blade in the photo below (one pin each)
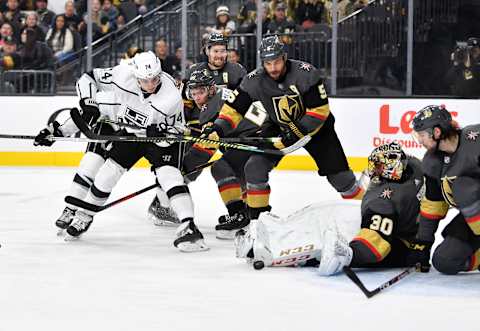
(228, 234)
(158, 222)
(191, 247)
(70, 237)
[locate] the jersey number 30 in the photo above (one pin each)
(382, 224)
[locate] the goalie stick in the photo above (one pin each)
(85, 129)
(95, 208)
(354, 278)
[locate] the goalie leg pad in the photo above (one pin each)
(335, 253)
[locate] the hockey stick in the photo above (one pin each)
(354, 278)
(51, 138)
(227, 139)
(95, 208)
(85, 129)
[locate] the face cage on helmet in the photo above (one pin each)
(388, 165)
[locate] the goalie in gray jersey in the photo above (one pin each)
(144, 96)
(340, 233)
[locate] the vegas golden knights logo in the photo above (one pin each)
(288, 108)
(447, 190)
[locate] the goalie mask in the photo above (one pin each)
(387, 161)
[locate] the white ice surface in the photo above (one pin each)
(125, 274)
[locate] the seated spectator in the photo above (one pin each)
(110, 11)
(309, 13)
(45, 16)
(128, 10)
(290, 6)
(224, 25)
(13, 15)
(120, 22)
(60, 39)
(72, 20)
(6, 30)
(170, 64)
(27, 5)
(97, 28)
(31, 22)
(34, 54)
(464, 75)
(233, 56)
(141, 6)
(280, 24)
(9, 58)
(247, 13)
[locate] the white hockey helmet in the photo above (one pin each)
(147, 66)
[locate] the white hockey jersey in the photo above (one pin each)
(293, 240)
(124, 102)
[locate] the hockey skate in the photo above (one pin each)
(64, 220)
(162, 216)
(232, 224)
(80, 224)
(189, 238)
(336, 253)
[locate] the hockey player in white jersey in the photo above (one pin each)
(144, 96)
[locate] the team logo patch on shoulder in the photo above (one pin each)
(252, 74)
(472, 135)
(386, 193)
(306, 66)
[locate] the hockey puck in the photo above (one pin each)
(258, 265)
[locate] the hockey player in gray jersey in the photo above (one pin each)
(146, 97)
(334, 234)
(296, 103)
(452, 173)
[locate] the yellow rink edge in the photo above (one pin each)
(72, 159)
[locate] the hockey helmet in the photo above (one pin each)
(387, 161)
(271, 48)
(216, 38)
(200, 78)
(431, 117)
(147, 66)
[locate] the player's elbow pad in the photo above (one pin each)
(90, 111)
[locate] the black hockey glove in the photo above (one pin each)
(289, 137)
(155, 130)
(41, 138)
(419, 253)
(212, 132)
(90, 112)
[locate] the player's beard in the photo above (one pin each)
(217, 62)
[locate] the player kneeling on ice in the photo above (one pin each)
(332, 235)
(146, 97)
(452, 179)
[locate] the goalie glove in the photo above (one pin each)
(90, 112)
(42, 137)
(419, 252)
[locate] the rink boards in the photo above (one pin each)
(361, 124)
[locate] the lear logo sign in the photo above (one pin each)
(401, 126)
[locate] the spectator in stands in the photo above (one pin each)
(45, 16)
(60, 39)
(309, 13)
(341, 10)
(34, 54)
(27, 5)
(9, 58)
(141, 6)
(97, 29)
(290, 6)
(464, 76)
(31, 22)
(13, 15)
(281, 24)
(170, 64)
(224, 24)
(355, 5)
(6, 30)
(247, 13)
(120, 21)
(233, 56)
(128, 10)
(72, 20)
(110, 11)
